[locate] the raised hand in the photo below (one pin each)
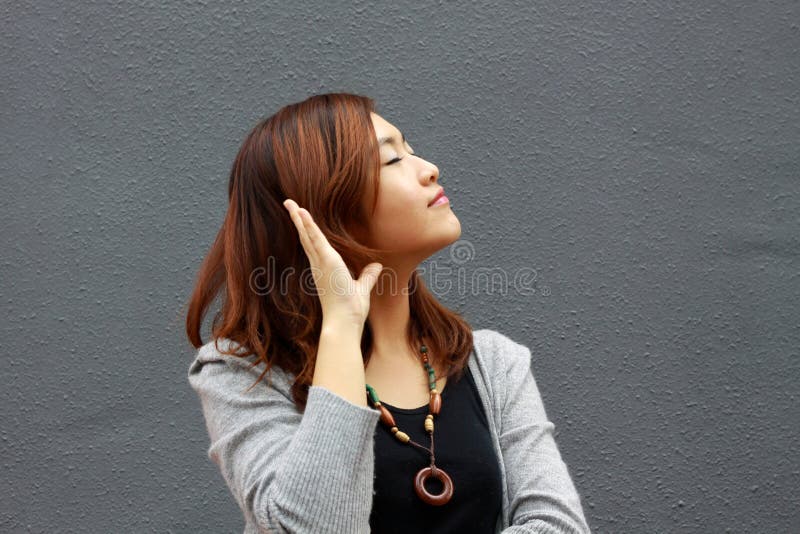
(341, 297)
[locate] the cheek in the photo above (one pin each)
(400, 215)
(398, 196)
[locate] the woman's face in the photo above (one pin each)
(403, 221)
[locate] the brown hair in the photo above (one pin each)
(323, 153)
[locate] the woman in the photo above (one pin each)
(339, 395)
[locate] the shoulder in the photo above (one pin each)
(497, 350)
(215, 352)
(502, 367)
(501, 362)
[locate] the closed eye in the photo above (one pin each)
(395, 160)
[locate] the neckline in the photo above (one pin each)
(421, 409)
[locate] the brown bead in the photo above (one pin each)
(436, 403)
(386, 416)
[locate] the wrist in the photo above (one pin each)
(341, 326)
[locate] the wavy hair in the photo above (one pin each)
(323, 153)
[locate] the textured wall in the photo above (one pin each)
(641, 158)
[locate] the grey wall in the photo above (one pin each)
(641, 158)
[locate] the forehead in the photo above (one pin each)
(386, 132)
(383, 128)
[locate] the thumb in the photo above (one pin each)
(369, 275)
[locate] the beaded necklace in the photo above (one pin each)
(434, 407)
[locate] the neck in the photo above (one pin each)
(390, 314)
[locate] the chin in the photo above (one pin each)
(439, 237)
(456, 228)
(456, 235)
(451, 236)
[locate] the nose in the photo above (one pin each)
(430, 173)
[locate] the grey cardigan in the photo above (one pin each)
(312, 472)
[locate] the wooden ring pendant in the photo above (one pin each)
(424, 494)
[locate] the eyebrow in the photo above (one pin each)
(390, 139)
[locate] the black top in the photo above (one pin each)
(463, 449)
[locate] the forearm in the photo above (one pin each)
(288, 471)
(340, 367)
(325, 479)
(325, 482)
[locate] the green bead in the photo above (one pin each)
(423, 349)
(372, 394)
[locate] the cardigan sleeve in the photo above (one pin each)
(288, 471)
(542, 496)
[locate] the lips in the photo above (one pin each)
(437, 197)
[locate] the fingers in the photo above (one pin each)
(315, 235)
(314, 241)
(295, 212)
(369, 275)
